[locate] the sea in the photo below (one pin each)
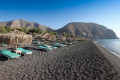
(112, 45)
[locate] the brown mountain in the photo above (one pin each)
(89, 30)
(23, 23)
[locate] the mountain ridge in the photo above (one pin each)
(23, 23)
(89, 30)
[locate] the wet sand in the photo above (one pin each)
(81, 61)
(114, 60)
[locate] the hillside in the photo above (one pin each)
(23, 23)
(89, 30)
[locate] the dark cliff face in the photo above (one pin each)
(23, 23)
(89, 30)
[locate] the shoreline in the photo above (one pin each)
(113, 57)
(115, 53)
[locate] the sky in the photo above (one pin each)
(57, 13)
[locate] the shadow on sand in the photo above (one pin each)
(3, 58)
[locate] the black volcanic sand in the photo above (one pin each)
(81, 61)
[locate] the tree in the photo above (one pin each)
(64, 34)
(8, 28)
(71, 35)
(24, 29)
(3, 30)
(38, 30)
(35, 30)
(52, 33)
(55, 33)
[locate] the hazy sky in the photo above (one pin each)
(57, 13)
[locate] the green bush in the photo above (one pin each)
(35, 30)
(52, 33)
(24, 29)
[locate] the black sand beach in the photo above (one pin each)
(115, 60)
(81, 61)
